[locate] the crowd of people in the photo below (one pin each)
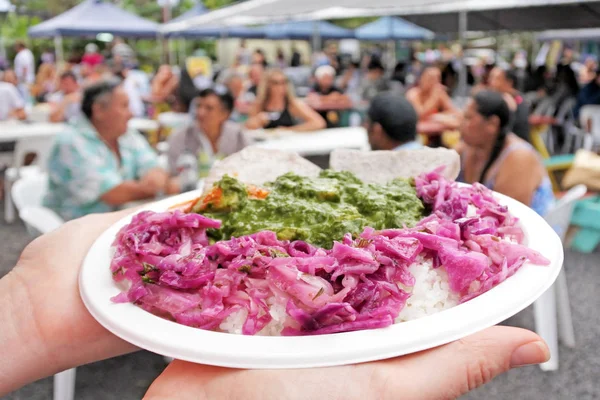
(99, 164)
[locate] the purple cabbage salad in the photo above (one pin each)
(360, 283)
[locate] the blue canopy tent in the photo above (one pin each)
(392, 28)
(93, 17)
(304, 30)
(211, 31)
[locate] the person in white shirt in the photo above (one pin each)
(66, 103)
(24, 66)
(133, 90)
(11, 102)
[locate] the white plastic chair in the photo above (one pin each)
(28, 193)
(555, 301)
(589, 119)
(41, 146)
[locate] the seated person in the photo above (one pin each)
(505, 82)
(431, 101)
(494, 156)
(349, 82)
(98, 164)
(45, 82)
(392, 123)
(328, 97)
(589, 94)
(66, 103)
(374, 82)
(12, 105)
(235, 84)
(9, 76)
(277, 107)
(255, 76)
(210, 137)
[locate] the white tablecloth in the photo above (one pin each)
(11, 131)
(319, 142)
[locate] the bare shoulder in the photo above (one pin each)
(412, 93)
(523, 157)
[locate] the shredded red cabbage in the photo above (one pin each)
(359, 284)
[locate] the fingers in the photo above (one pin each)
(450, 371)
(189, 381)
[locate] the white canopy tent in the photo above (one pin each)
(437, 15)
(569, 34)
(442, 16)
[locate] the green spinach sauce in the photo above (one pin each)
(316, 210)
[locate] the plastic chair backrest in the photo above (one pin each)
(29, 191)
(41, 146)
(559, 217)
(566, 110)
(589, 118)
(546, 107)
(41, 219)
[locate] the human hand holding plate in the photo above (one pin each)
(445, 372)
(46, 327)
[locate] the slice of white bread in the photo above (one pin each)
(383, 166)
(257, 166)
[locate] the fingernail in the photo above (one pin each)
(529, 354)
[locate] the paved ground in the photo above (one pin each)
(127, 377)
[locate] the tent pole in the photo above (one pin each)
(462, 73)
(182, 50)
(316, 38)
(58, 49)
(163, 55)
(172, 56)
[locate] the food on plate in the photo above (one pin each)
(319, 210)
(306, 254)
(384, 166)
(257, 166)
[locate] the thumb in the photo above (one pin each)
(452, 370)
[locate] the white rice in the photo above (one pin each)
(235, 321)
(431, 294)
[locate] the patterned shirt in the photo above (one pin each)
(82, 168)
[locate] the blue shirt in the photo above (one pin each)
(412, 145)
(82, 168)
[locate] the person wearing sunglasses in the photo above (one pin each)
(276, 106)
(98, 164)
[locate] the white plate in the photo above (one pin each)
(229, 350)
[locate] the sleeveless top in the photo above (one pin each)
(283, 118)
(543, 196)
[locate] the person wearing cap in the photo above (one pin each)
(328, 97)
(210, 137)
(392, 123)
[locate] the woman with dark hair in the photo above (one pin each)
(497, 158)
